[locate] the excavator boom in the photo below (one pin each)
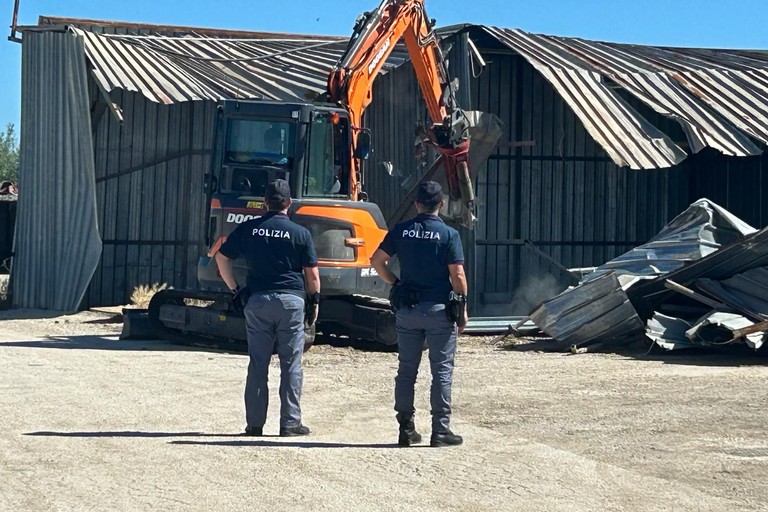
(351, 83)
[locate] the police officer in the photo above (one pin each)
(430, 300)
(282, 272)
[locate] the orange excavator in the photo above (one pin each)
(319, 148)
(351, 84)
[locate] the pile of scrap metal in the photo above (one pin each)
(701, 281)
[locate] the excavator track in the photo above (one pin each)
(358, 317)
(206, 319)
(175, 314)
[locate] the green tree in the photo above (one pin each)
(9, 154)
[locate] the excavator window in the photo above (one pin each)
(260, 142)
(328, 163)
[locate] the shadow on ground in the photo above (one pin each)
(30, 314)
(95, 343)
(232, 442)
(90, 342)
(645, 350)
(125, 433)
(289, 444)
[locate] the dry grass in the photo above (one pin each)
(143, 293)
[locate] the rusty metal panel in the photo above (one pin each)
(664, 92)
(57, 243)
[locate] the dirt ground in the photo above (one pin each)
(90, 422)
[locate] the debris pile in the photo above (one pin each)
(701, 281)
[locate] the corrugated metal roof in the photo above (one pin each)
(719, 97)
(170, 69)
(746, 292)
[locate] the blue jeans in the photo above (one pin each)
(427, 321)
(274, 321)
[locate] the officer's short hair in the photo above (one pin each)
(429, 194)
(278, 195)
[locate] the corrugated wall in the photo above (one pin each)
(739, 185)
(151, 204)
(549, 193)
(57, 243)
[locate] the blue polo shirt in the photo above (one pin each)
(276, 250)
(425, 246)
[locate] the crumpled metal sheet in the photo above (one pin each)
(716, 328)
(599, 308)
(703, 228)
(716, 96)
(596, 311)
(744, 254)
(669, 332)
(747, 292)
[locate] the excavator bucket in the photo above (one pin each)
(485, 130)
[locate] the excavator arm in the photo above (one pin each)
(350, 83)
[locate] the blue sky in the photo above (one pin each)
(693, 23)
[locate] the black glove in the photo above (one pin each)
(456, 308)
(240, 298)
(311, 309)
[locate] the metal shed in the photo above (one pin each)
(560, 191)
(589, 165)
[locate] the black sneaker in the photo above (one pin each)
(299, 430)
(445, 439)
(253, 431)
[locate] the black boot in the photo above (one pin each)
(408, 434)
(446, 438)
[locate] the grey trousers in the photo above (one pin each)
(428, 322)
(274, 321)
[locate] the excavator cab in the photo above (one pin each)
(310, 146)
(257, 142)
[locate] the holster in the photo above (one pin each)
(403, 296)
(455, 308)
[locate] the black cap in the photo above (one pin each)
(278, 190)
(429, 193)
